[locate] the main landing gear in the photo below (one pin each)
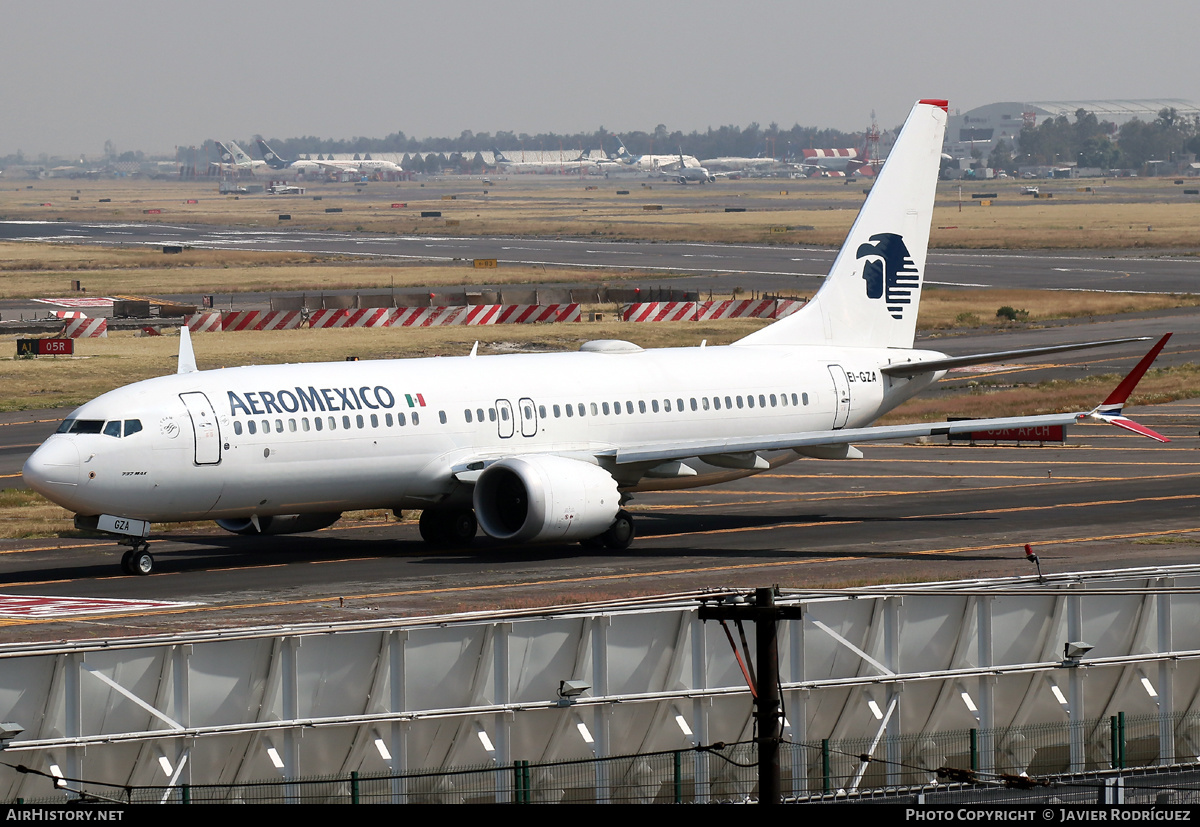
(617, 537)
(138, 559)
(448, 527)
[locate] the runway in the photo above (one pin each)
(716, 267)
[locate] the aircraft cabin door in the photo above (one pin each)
(205, 427)
(841, 396)
(528, 413)
(504, 418)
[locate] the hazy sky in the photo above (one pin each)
(154, 74)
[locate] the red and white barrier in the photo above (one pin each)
(660, 312)
(427, 316)
(203, 322)
(328, 318)
(85, 328)
(370, 317)
(261, 320)
(70, 314)
(489, 314)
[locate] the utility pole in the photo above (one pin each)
(768, 707)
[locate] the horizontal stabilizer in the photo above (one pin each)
(904, 369)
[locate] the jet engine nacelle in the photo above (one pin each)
(280, 523)
(545, 498)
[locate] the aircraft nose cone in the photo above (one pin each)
(53, 469)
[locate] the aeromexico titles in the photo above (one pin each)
(534, 447)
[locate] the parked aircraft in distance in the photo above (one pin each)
(307, 167)
(650, 163)
(534, 447)
(685, 174)
(836, 163)
(735, 164)
(232, 155)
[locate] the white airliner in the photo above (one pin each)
(531, 447)
(651, 163)
(685, 174)
(232, 155)
(363, 166)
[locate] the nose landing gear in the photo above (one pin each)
(138, 559)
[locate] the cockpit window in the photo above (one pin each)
(113, 428)
(132, 426)
(81, 426)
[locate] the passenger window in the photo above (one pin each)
(415, 419)
(604, 406)
(132, 426)
(279, 426)
(729, 402)
(318, 422)
(680, 405)
(716, 403)
(762, 401)
(783, 399)
(387, 419)
(805, 398)
(772, 400)
(113, 428)
(542, 411)
(704, 402)
(442, 417)
(641, 406)
(694, 404)
(400, 420)
(237, 427)
(250, 426)
(593, 409)
(346, 422)
(570, 411)
(358, 420)
(479, 414)
(491, 415)
(666, 406)
(332, 423)
(266, 425)
(739, 401)
(292, 425)
(467, 415)
(374, 420)
(304, 424)
(749, 400)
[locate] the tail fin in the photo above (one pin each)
(239, 155)
(270, 156)
(499, 156)
(224, 156)
(870, 297)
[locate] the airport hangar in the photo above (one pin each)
(985, 126)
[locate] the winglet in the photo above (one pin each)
(187, 357)
(1110, 410)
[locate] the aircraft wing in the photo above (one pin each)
(913, 368)
(843, 436)
(1110, 411)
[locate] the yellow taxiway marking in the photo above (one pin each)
(560, 581)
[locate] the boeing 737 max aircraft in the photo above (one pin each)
(531, 447)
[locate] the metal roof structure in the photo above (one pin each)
(876, 664)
